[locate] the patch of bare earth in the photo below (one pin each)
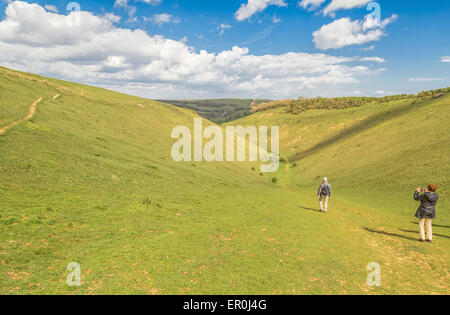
(30, 115)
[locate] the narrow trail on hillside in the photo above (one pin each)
(61, 89)
(39, 80)
(30, 115)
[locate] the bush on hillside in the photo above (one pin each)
(296, 106)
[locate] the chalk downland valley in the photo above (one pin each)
(88, 178)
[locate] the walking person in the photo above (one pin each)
(324, 195)
(427, 211)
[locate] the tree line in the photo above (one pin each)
(295, 106)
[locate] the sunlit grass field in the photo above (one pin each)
(90, 179)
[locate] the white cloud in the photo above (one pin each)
(51, 8)
(310, 4)
(425, 79)
(337, 5)
(445, 59)
(222, 28)
(162, 18)
(373, 59)
(132, 61)
(124, 3)
(112, 18)
(116, 62)
(252, 7)
(121, 3)
(370, 48)
(152, 2)
(276, 19)
(345, 32)
(132, 9)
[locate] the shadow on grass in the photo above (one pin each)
(391, 234)
(436, 225)
(366, 124)
(417, 232)
(309, 209)
(443, 226)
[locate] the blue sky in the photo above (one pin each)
(282, 48)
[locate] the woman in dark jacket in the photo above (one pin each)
(427, 211)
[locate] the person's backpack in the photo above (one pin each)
(326, 190)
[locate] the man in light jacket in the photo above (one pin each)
(324, 195)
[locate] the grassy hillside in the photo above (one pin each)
(387, 146)
(219, 110)
(89, 179)
(375, 156)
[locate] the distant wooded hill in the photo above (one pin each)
(219, 110)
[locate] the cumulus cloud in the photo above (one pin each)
(252, 7)
(310, 4)
(445, 59)
(97, 52)
(336, 5)
(345, 32)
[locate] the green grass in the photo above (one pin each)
(375, 156)
(90, 180)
